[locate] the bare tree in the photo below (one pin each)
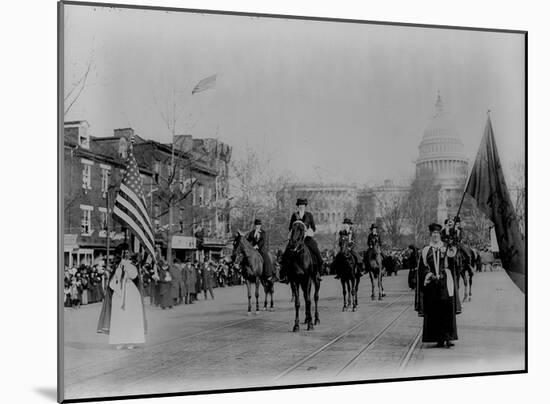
(421, 206)
(254, 186)
(392, 207)
(173, 188)
(80, 76)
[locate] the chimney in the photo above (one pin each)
(78, 132)
(126, 133)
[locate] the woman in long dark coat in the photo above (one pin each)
(437, 287)
(166, 296)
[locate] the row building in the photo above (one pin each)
(185, 185)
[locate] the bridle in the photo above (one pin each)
(298, 244)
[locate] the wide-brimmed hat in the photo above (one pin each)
(257, 222)
(301, 201)
(347, 221)
(373, 226)
(435, 227)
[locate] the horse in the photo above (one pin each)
(465, 261)
(252, 270)
(346, 266)
(301, 270)
(372, 259)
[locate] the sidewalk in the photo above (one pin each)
(491, 332)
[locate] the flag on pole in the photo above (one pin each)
(487, 186)
(130, 205)
(205, 84)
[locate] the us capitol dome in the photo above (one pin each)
(441, 157)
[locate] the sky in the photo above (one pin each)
(329, 102)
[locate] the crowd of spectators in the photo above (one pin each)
(164, 285)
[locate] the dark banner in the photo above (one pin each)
(487, 186)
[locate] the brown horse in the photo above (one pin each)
(252, 270)
(301, 269)
(372, 258)
(347, 268)
(465, 261)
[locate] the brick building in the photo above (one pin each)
(197, 191)
(90, 182)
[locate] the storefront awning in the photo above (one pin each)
(184, 243)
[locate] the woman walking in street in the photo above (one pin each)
(127, 326)
(437, 288)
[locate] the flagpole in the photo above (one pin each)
(464, 192)
(468, 178)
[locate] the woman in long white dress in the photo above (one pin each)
(127, 316)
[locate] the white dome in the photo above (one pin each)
(440, 140)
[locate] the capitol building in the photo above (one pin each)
(441, 161)
(441, 157)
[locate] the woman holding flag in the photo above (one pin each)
(127, 314)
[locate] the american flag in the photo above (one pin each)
(205, 84)
(130, 204)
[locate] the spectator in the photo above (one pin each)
(177, 282)
(208, 279)
(189, 278)
(165, 280)
(198, 280)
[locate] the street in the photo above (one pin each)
(214, 344)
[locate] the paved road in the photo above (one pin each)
(214, 344)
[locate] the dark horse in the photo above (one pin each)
(252, 270)
(372, 258)
(348, 269)
(465, 261)
(302, 272)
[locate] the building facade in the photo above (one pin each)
(90, 182)
(192, 197)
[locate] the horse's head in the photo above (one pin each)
(238, 253)
(297, 235)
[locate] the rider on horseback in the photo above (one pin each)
(258, 238)
(346, 237)
(373, 240)
(307, 219)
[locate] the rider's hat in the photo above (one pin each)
(257, 222)
(301, 201)
(373, 226)
(347, 221)
(434, 227)
(457, 219)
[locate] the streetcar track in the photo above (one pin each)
(373, 341)
(150, 348)
(335, 340)
(280, 327)
(407, 357)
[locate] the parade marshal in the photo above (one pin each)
(437, 287)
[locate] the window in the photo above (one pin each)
(209, 196)
(86, 221)
(105, 172)
(103, 218)
(201, 196)
(194, 195)
(86, 174)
